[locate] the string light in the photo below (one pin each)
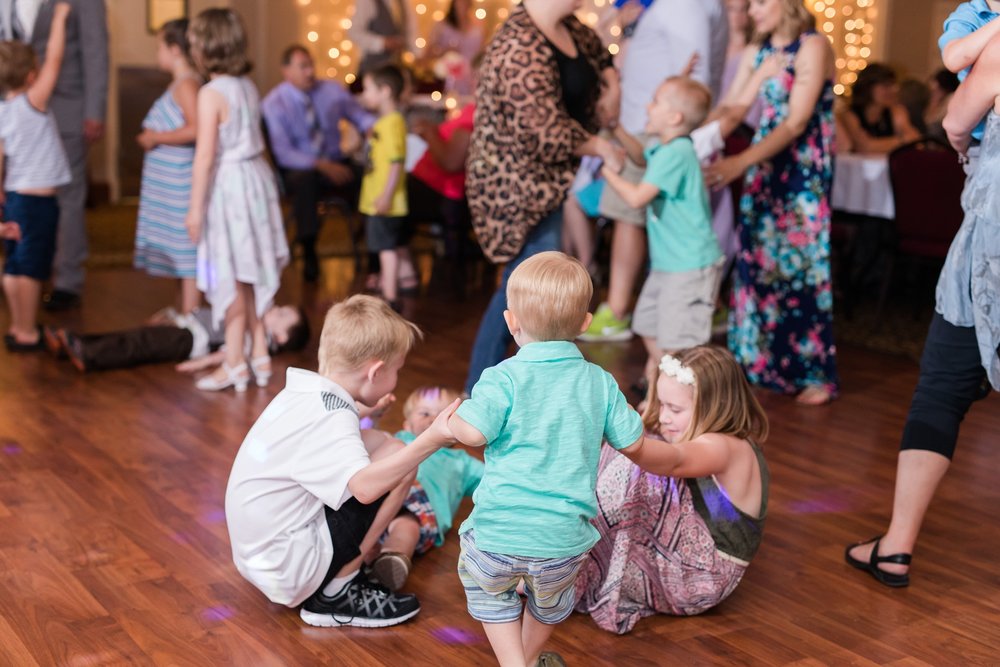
(850, 27)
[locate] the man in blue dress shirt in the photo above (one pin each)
(303, 117)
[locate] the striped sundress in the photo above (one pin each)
(162, 245)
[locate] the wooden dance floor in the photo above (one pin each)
(113, 544)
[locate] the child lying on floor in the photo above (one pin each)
(443, 480)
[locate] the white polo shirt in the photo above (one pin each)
(297, 459)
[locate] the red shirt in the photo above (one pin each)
(451, 184)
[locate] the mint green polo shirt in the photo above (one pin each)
(679, 219)
(447, 475)
(544, 413)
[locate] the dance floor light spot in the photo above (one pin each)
(449, 635)
(12, 448)
(834, 502)
(214, 516)
(216, 614)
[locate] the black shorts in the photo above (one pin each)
(38, 217)
(348, 527)
(384, 232)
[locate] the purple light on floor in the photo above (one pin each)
(216, 614)
(833, 502)
(11, 448)
(179, 538)
(455, 636)
(214, 516)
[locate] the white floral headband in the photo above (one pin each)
(672, 367)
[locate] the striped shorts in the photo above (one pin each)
(491, 579)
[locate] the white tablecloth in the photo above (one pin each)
(861, 185)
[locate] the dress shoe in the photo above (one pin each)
(59, 299)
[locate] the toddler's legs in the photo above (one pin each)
(23, 294)
(534, 634)
(506, 640)
(404, 533)
(389, 261)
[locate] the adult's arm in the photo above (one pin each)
(356, 115)
(813, 67)
(973, 99)
(93, 24)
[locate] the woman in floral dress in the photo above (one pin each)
(781, 320)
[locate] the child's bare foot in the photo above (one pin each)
(814, 395)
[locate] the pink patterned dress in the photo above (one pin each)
(668, 546)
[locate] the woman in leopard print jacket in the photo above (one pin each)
(546, 85)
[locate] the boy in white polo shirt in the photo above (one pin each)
(542, 415)
(309, 493)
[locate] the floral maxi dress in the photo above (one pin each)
(780, 326)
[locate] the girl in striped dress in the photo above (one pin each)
(162, 245)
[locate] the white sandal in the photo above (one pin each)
(236, 377)
(261, 367)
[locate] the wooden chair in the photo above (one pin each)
(927, 183)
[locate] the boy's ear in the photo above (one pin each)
(586, 322)
(512, 325)
(374, 369)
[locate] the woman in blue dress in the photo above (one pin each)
(162, 245)
(782, 306)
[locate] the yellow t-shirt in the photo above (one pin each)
(386, 147)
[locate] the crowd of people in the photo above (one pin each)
(328, 515)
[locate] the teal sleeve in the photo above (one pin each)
(623, 425)
(405, 436)
(488, 407)
(665, 169)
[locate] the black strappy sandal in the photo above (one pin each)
(871, 565)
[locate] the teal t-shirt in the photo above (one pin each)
(679, 219)
(544, 413)
(447, 475)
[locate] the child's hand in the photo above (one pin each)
(376, 411)
(440, 430)
(193, 222)
(691, 64)
(10, 231)
(147, 140)
(383, 204)
(613, 156)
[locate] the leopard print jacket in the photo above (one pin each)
(521, 154)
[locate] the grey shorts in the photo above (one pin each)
(676, 309)
(613, 207)
(384, 232)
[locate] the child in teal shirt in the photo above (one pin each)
(542, 415)
(967, 31)
(675, 306)
(443, 479)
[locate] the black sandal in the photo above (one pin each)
(871, 565)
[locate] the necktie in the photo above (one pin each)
(316, 138)
(16, 29)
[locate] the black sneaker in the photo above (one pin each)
(362, 604)
(59, 299)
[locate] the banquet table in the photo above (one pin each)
(861, 186)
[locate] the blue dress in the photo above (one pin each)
(162, 245)
(780, 327)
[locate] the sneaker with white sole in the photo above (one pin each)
(606, 327)
(362, 604)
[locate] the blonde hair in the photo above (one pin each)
(17, 61)
(693, 99)
(219, 42)
(430, 392)
(549, 294)
(363, 328)
(800, 18)
(723, 400)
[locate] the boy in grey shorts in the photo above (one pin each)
(678, 298)
(542, 415)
